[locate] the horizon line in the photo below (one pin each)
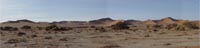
(99, 18)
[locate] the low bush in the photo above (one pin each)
(21, 33)
(170, 26)
(111, 46)
(56, 28)
(147, 35)
(120, 25)
(26, 27)
(180, 28)
(92, 26)
(33, 36)
(191, 25)
(12, 41)
(8, 28)
(48, 37)
(167, 44)
(63, 39)
(51, 27)
(157, 26)
(101, 29)
(39, 28)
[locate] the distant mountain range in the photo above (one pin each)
(103, 21)
(165, 23)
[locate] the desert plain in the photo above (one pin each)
(101, 33)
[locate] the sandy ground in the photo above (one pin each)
(93, 39)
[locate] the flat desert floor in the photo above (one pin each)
(94, 39)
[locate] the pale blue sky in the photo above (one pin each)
(84, 10)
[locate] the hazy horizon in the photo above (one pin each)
(79, 10)
(97, 19)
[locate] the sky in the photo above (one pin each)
(84, 10)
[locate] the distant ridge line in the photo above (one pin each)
(97, 21)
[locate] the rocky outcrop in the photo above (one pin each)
(149, 22)
(168, 20)
(101, 21)
(118, 24)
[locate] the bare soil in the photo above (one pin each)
(93, 39)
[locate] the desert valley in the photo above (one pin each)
(101, 33)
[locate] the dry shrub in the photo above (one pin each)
(171, 26)
(101, 29)
(180, 28)
(134, 29)
(56, 28)
(111, 46)
(185, 26)
(21, 33)
(147, 35)
(92, 26)
(162, 33)
(157, 26)
(8, 28)
(188, 47)
(120, 25)
(39, 28)
(191, 25)
(167, 44)
(63, 39)
(26, 27)
(33, 36)
(51, 27)
(12, 41)
(48, 37)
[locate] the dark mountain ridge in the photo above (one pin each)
(167, 20)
